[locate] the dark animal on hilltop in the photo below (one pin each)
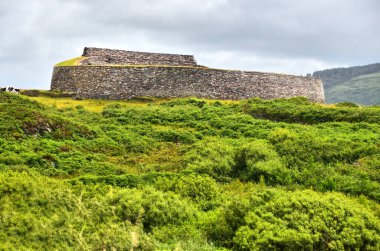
(3, 89)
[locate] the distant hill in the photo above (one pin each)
(364, 89)
(358, 84)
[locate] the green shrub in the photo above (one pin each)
(203, 190)
(299, 110)
(38, 213)
(307, 220)
(259, 159)
(346, 104)
(161, 209)
(212, 156)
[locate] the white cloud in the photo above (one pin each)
(287, 36)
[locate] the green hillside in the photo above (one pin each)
(357, 84)
(364, 89)
(332, 77)
(188, 174)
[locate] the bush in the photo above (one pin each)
(203, 190)
(307, 220)
(212, 156)
(259, 159)
(346, 104)
(299, 110)
(39, 214)
(162, 209)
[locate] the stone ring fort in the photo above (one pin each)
(119, 74)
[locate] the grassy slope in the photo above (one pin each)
(187, 174)
(76, 62)
(90, 105)
(71, 62)
(364, 90)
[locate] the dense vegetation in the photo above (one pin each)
(189, 174)
(358, 84)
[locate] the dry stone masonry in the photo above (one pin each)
(117, 74)
(96, 56)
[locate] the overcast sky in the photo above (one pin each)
(286, 36)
